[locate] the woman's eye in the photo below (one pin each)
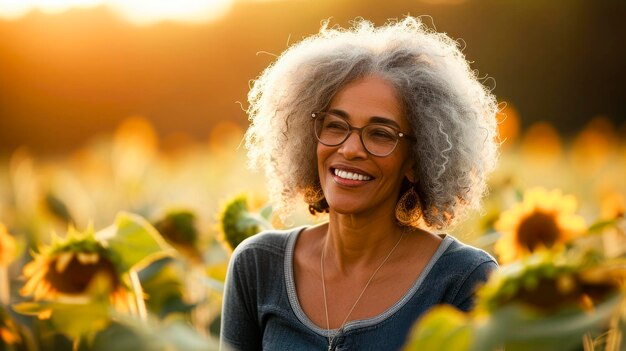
(381, 134)
(337, 126)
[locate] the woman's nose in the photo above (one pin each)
(353, 147)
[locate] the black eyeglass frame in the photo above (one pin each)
(398, 133)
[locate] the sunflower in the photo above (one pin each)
(7, 247)
(238, 223)
(545, 219)
(178, 228)
(550, 301)
(71, 269)
(548, 282)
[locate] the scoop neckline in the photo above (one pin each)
(359, 323)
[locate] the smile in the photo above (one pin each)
(350, 175)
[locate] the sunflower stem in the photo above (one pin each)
(200, 316)
(138, 292)
(5, 286)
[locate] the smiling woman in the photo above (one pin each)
(140, 12)
(389, 131)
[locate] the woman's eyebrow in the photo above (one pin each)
(373, 119)
(339, 113)
(384, 120)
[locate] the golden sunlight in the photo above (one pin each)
(11, 9)
(140, 12)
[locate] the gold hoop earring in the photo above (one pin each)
(313, 194)
(316, 200)
(318, 208)
(408, 209)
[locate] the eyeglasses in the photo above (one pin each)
(377, 138)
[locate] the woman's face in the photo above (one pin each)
(353, 180)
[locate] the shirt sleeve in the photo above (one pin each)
(465, 297)
(239, 327)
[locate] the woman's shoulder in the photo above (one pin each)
(269, 240)
(460, 270)
(464, 255)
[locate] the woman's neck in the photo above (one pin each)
(354, 242)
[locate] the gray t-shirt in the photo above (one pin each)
(261, 310)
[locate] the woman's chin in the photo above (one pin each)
(345, 207)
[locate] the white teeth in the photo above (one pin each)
(351, 175)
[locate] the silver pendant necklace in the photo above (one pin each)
(332, 338)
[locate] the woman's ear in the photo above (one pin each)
(410, 173)
(410, 176)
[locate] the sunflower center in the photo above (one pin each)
(77, 276)
(539, 228)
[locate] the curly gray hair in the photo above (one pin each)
(450, 112)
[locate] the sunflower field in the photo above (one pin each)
(123, 244)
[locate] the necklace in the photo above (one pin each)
(331, 339)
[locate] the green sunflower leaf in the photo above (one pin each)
(134, 242)
(599, 226)
(152, 334)
(75, 320)
(518, 328)
(442, 328)
(266, 212)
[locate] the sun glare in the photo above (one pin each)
(140, 12)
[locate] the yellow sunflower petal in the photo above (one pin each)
(34, 281)
(34, 266)
(88, 257)
(568, 204)
(506, 249)
(43, 291)
(8, 336)
(45, 314)
(62, 260)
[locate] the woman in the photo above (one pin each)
(388, 131)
